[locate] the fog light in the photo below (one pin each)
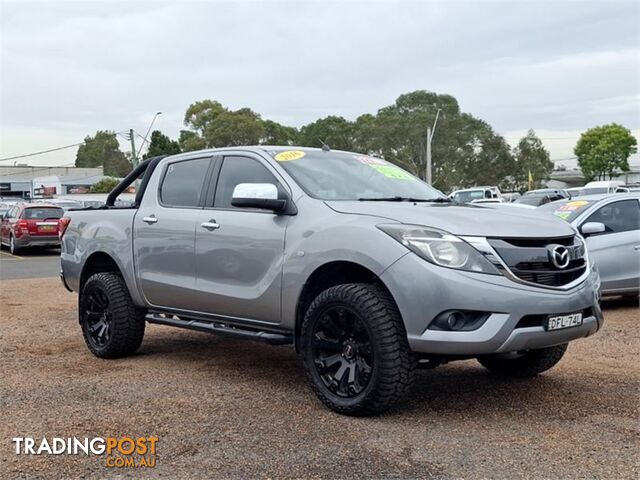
(459, 320)
(455, 320)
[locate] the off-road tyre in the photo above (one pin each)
(527, 365)
(391, 375)
(125, 321)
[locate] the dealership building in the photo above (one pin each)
(34, 182)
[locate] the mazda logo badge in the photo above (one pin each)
(559, 256)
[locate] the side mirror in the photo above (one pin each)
(257, 195)
(591, 228)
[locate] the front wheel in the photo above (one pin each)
(111, 324)
(355, 350)
(528, 364)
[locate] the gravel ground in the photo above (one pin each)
(235, 409)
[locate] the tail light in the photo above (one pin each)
(20, 226)
(63, 223)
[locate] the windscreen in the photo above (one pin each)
(42, 213)
(329, 175)
(567, 210)
(467, 197)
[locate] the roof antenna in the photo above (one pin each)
(325, 147)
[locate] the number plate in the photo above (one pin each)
(47, 228)
(558, 322)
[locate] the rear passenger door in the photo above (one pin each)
(239, 262)
(164, 232)
(616, 252)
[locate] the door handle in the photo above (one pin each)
(150, 219)
(210, 225)
(637, 247)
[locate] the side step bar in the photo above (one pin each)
(220, 328)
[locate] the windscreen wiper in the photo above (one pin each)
(404, 199)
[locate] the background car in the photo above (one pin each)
(595, 188)
(611, 227)
(30, 224)
(468, 195)
(537, 199)
(551, 191)
(629, 187)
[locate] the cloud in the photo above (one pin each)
(70, 68)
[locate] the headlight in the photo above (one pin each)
(440, 248)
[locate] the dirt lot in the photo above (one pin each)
(228, 408)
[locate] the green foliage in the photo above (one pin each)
(603, 151)
(103, 150)
(104, 186)
(334, 131)
(276, 134)
(242, 127)
(190, 141)
(531, 156)
(160, 144)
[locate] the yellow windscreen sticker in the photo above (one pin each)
(392, 171)
(289, 155)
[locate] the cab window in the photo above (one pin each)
(618, 217)
(182, 183)
(236, 170)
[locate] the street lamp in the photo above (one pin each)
(147, 134)
(430, 133)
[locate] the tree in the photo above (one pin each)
(465, 150)
(333, 131)
(104, 186)
(242, 127)
(103, 150)
(276, 134)
(603, 151)
(190, 141)
(531, 161)
(160, 144)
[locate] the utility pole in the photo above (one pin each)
(427, 175)
(134, 157)
(430, 133)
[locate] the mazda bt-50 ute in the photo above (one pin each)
(368, 271)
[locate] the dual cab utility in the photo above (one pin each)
(368, 271)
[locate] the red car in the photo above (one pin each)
(30, 224)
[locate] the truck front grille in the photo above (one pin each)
(532, 260)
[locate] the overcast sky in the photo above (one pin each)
(71, 68)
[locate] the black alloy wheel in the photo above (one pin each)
(342, 351)
(97, 317)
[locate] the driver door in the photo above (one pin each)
(616, 251)
(239, 251)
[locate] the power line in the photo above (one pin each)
(40, 153)
(47, 151)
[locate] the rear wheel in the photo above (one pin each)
(528, 364)
(13, 249)
(111, 324)
(355, 351)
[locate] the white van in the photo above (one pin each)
(476, 194)
(608, 186)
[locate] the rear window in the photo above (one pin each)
(42, 213)
(566, 210)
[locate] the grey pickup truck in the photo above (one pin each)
(367, 271)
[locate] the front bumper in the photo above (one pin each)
(422, 291)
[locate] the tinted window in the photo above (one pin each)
(41, 213)
(182, 184)
(618, 216)
(237, 170)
